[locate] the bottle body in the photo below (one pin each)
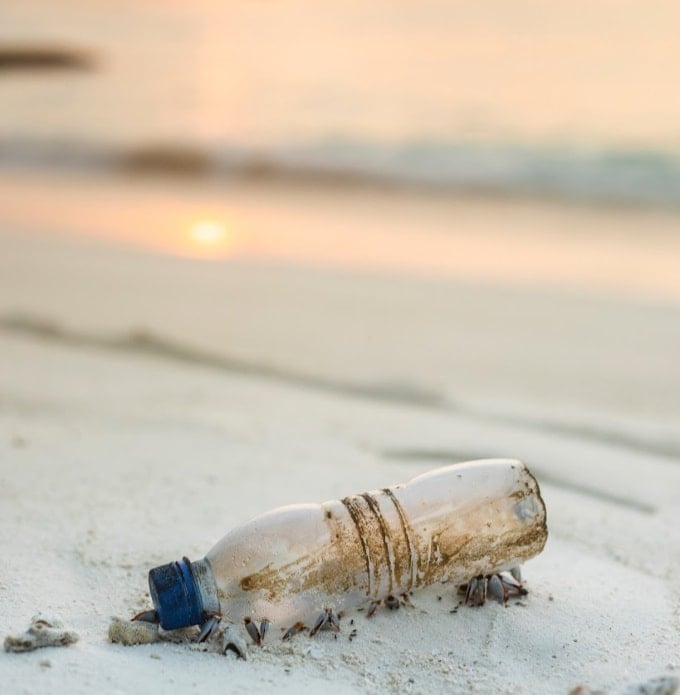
(451, 524)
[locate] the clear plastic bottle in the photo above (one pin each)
(287, 565)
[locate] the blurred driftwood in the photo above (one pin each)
(32, 58)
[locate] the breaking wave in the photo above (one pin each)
(591, 175)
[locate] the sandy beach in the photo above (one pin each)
(259, 254)
(150, 401)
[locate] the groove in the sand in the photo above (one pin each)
(147, 343)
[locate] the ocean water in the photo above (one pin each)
(574, 100)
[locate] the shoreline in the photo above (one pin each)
(528, 244)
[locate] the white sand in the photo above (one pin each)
(116, 456)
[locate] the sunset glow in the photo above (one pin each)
(210, 238)
(207, 232)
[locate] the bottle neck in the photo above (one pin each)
(183, 593)
(206, 586)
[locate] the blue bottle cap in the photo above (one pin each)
(175, 595)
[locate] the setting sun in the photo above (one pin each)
(210, 238)
(208, 232)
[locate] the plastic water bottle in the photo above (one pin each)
(452, 524)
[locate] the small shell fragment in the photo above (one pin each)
(44, 631)
(232, 641)
(663, 685)
(129, 632)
